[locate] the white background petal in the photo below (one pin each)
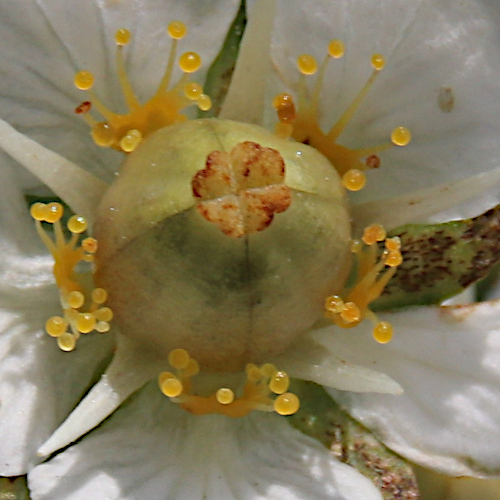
(153, 450)
(447, 363)
(427, 44)
(39, 384)
(45, 43)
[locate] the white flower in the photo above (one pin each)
(445, 359)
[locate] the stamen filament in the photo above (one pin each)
(127, 90)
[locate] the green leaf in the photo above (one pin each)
(321, 418)
(13, 488)
(441, 260)
(220, 73)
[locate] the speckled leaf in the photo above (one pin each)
(220, 73)
(321, 418)
(440, 260)
(13, 488)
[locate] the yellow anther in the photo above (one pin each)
(393, 258)
(378, 61)
(85, 322)
(193, 91)
(66, 342)
(336, 49)
(204, 102)
(393, 244)
(224, 396)
(84, 80)
(56, 326)
(103, 134)
(354, 180)
(172, 387)
(382, 332)
(122, 36)
(285, 106)
(102, 326)
(373, 233)
(268, 370)
(38, 211)
(400, 136)
(77, 224)
(103, 314)
(307, 64)
(350, 313)
(189, 62)
(89, 245)
(280, 382)
(334, 304)
(286, 404)
(165, 376)
(254, 374)
(99, 295)
(75, 299)
(177, 30)
(179, 359)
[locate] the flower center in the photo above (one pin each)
(219, 238)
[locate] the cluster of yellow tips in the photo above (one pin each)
(124, 132)
(371, 280)
(83, 310)
(302, 121)
(265, 389)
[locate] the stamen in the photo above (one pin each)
(124, 132)
(302, 122)
(82, 313)
(256, 394)
(351, 308)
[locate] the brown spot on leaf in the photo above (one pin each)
(241, 191)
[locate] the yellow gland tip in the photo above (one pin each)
(77, 224)
(85, 322)
(122, 36)
(307, 64)
(224, 396)
(373, 233)
(193, 91)
(102, 327)
(254, 373)
(131, 140)
(204, 102)
(177, 30)
(400, 136)
(75, 299)
(99, 295)
(268, 370)
(378, 61)
(350, 313)
(354, 180)
(334, 304)
(56, 326)
(286, 404)
(38, 211)
(103, 135)
(66, 342)
(104, 314)
(280, 382)
(179, 359)
(383, 332)
(336, 49)
(84, 80)
(189, 62)
(172, 387)
(393, 244)
(393, 258)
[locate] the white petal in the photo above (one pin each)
(129, 370)
(428, 44)
(446, 360)
(308, 360)
(153, 450)
(45, 43)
